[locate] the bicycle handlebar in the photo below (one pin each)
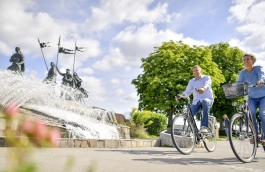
(254, 85)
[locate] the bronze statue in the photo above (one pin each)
(17, 60)
(52, 74)
(67, 77)
(76, 81)
(81, 92)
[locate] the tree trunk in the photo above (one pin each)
(170, 115)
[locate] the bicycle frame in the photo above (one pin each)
(192, 121)
(247, 114)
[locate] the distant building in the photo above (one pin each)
(120, 118)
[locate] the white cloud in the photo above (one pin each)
(85, 71)
(130, 98)
(260, 59)
(94, 87)
(249, 14)
(234, 42)
(136, 43)
(238, 11)
(117, 92)
(115, 58)
(116, 12)
(115, 81)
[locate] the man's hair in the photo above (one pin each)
(67, 69)
(197, 66)
(253, 57)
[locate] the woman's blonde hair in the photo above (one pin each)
(253, 57)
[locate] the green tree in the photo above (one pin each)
(166, 73)
(229, 60)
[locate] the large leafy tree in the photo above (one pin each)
(229, 60)
(167, 71)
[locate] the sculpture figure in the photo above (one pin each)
(17, 60)
(81, 92)
(52, 74)
(67, 77)
(76, 81)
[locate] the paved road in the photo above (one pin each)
(153, 159)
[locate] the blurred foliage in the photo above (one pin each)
(23, 136)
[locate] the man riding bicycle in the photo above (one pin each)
(200, 87)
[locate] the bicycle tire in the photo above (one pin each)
(209, 138)
(243, 144)
(183, 134)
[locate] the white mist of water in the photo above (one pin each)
(81, 120)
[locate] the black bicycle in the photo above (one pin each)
(242, 135)
(185, 134)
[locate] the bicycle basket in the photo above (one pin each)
(235, 90)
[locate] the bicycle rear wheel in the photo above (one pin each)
(183, 134)
(242, 142)
(209, 138)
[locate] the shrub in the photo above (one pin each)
(153, 122)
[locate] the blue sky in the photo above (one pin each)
(118, 33)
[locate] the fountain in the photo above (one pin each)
(60, 105)
(47, 100)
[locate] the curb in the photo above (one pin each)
(93, 143)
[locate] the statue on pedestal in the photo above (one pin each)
(17, 60)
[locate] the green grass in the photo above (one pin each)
(221, 138)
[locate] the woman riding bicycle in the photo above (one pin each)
(256, 95)
(200, 86)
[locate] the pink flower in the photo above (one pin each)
(41, 132)
(54, 136)
(11, 110)
(28, 127)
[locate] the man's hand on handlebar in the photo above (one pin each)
(200, 90)
(179, 96)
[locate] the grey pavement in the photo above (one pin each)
(155, 159)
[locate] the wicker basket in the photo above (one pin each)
(235, 90)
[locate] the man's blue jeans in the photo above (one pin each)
(206, 106)
(254, 103)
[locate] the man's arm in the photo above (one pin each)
(189, 89)
(206, 85)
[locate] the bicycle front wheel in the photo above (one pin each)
(209, 138)
(183, 134)
(243, 139)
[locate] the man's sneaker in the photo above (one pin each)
(203, 129)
